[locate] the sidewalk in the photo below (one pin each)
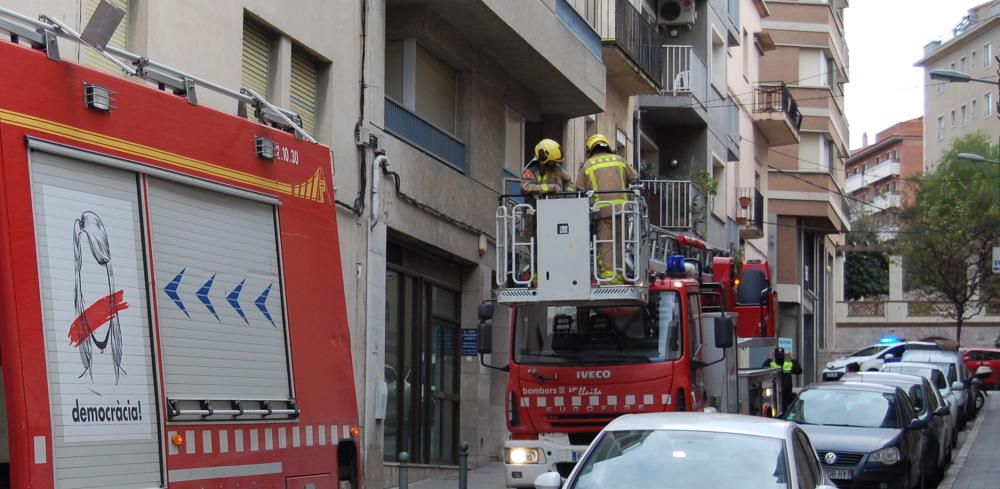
(486, 477)
(978, 463)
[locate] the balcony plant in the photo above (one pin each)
(706, 187)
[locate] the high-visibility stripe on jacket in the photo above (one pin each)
(786, 367)
(606, 172)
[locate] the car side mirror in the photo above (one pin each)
(548, 480)
(723, 332)
(957, 386)
(918, 424)
(983, 372)
(942, 411)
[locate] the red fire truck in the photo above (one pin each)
(585, 348)
(171, 298)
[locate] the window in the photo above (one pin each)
(965, 115)
(718, 62)
(719, 200)
(747, 47)
(940, 127)
(877, 160)
(694, 317)
(259, 69)
(256, 57)
(824, 70)
(987, 55)
(118, 40)
(972, 59)
(621, 144)
(940, 87)
(422, 83)
(972, 109)
(953, 118)
(514, 152)
(826, 155)
(962, 66)
(304, 81)
(987, 104)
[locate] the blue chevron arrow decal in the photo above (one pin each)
(234, 300)
(171, 291)
(261, 304)
(202, 295)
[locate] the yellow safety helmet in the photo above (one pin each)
(596, 141)
(548, 151)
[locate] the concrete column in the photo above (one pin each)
(281, 72)
(374, 356)
(895, 278)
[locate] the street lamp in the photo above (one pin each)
(975, 157)
(956, 76)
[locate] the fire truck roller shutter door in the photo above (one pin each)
(95, 316)
(219, 289)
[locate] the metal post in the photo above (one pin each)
(404, 467)
(463, 466)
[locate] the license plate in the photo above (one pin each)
(841, 474)
(831, 375)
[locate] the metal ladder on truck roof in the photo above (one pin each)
(43, 34)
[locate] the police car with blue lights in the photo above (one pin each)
(870, 358)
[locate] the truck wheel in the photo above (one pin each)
(681, 402)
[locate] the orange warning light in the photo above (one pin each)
(177, 439)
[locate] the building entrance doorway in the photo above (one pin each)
(421, 368)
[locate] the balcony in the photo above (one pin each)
(669, 203)
(424, 136)
(776, 113)
(871, 175)
(631, 44)
(684, 89)
(884, 201)
(812, 196)
(546, 45)
(750, 212)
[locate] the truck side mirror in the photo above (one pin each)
(486, 336)
(765, 296)
(723, 332)
(485, 310)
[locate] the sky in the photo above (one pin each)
(885, 38)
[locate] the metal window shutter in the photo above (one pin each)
(256, 57)
(219, 295)
(86, 454)
(119, 40)
(304, 82)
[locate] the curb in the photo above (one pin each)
(956, 465)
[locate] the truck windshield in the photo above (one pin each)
(751, 285)
(553, 335)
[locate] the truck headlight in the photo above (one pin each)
(887, 456)
(522, 456)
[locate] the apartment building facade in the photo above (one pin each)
(877, 174)
(806, 207)
(424, 104)
(952, 110)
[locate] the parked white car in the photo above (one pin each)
(695, 450)
(870, 358)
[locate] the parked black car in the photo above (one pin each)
(924, 397)
(865, 435)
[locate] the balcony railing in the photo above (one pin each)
(619, 22)
(424, 136)
(750, 212)
(669, 202)
(770, 97)
(868, 309)
(871, 175)
(684, 73)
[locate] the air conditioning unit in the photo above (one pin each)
(675, 12)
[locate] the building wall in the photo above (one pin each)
(941, 98)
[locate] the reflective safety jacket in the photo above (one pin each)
(538, 179)
(606, 172)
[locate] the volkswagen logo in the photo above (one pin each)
(830, 458)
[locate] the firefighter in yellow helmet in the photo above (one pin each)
(544, 174)
(604, 171)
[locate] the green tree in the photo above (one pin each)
(949, 230)
(866, 266)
